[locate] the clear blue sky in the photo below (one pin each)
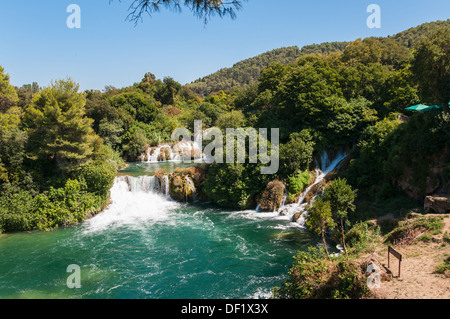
(36, 45)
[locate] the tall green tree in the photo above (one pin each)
(431, 67)
(341, 197)
(8, 94)
(58, 128)
(320, 219)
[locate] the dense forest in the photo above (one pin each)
(60, 149)
(248, 71)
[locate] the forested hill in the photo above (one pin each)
(413, 36)
(248, 71)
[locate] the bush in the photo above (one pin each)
(361, 237)
(444, 268)
(99, 177)
(298, 183)
(54, 208)
(313, 276)
(414, 227)
(297, 154)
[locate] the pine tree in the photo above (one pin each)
(59, 130)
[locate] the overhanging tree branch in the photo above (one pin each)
(203, 9)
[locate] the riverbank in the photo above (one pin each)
(421, 258)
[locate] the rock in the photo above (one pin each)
(437, 204)
(164, 154)
(284, 212)
(179, 189)
(296, 217)
(419, 180)
(272, 197)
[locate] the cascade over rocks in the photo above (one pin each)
(296, 210)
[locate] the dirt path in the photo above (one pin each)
(418, 280)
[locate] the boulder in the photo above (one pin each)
(272, 197)
(179, 189)
(437, 204)
(296, 217)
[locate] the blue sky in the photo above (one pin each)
(36, 44)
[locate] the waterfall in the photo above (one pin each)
(181, 151)
(326, 167)
(191, 186)
(165, 184)
(134, 202)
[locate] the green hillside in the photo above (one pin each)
(248, 71)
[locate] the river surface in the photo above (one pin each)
(148, 246)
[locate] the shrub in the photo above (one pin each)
(362, 237)
(298, 183)
(412, 228)
(313, 276)
(99, 177)
(444, 268)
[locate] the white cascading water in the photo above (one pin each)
(327, 167)
(165, 186)
(191, 185)
(183, 150)
(135, 201)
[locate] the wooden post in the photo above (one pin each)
(398, 256)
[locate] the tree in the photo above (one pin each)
(58, 128)
(202, 8)
(166, 93)
(320, 219)
(296, 154)
(8, 95)
(341, 198)
(233, 119)
(431, 66)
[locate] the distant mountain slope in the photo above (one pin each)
(411, 37)
(248, 71)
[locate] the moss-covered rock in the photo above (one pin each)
(272, 197)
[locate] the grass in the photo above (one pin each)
(420, 227)
(444, 267)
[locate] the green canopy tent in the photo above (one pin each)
(418, 108)
(424, 108)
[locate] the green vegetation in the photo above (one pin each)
(60, 148)
(248, 71)
(444, 268)
(55, 171)
(298, 183)
(312, 276)
(341, 198)
(411, 229)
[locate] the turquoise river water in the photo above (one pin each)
(148, 246)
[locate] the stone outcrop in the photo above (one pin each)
(437, 204)
(425, 179)
(185, 184)
(272, 197)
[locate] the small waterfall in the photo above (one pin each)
(165, 184)
(134, 202)
(147, 184)
(327, 167)
(181, 151)
(192, 188)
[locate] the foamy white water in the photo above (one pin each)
(134, 202)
